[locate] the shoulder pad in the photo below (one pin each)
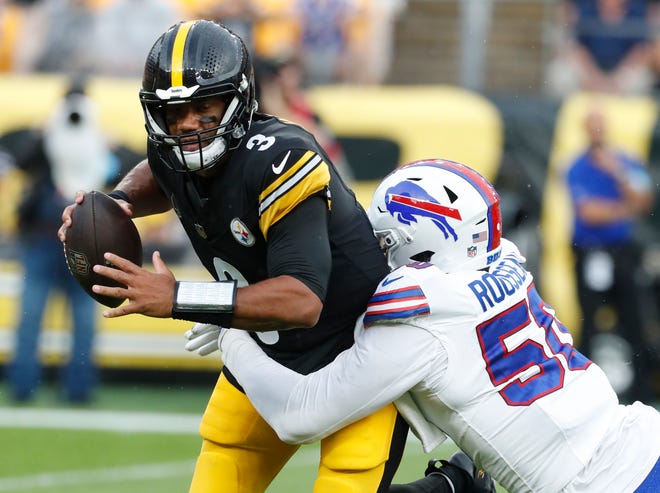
(398, 297)
(295, 178)
(288, 167)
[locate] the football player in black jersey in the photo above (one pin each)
(292, 252)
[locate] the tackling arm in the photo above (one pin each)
(384, 363)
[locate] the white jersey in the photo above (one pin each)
(477, 356)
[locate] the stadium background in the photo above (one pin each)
(463, 86)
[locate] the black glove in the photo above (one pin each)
(460, 469)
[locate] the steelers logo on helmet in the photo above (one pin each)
(440, 212)
(190, 62)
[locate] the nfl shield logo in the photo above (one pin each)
(472, 251)
(78, 263)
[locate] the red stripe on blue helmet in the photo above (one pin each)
(482, 185)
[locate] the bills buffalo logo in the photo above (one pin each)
(407, 201)
(78, 263)
(241, 233)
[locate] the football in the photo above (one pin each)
(100, 225)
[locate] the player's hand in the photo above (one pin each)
(66, 215)
(148, 293)
(127, 207)
(227, 338)
(203, 338)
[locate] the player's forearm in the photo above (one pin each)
(278, 303)
(143, 191)
(274, 390)
(266, 382)
(363, 379)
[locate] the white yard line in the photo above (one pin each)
(113, 421)
(94, 476)
(81, 419)
(104, 420)
(304, 457)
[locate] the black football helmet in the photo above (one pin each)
(193, 60)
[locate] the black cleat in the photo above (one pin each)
(479, 481)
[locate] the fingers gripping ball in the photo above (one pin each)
(100, 225)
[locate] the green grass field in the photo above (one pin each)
(132, 439)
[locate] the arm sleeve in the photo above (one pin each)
(384, 363)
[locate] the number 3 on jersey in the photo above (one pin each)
(528, 351)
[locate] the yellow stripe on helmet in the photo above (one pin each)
(177, 53)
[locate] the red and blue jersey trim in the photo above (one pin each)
(402, 303)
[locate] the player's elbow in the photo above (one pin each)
(295, 432)
(309, 312)
(296, 424)
(300, 312)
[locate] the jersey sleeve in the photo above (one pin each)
(293, 176)
(422, 295)
(398, 297)
(381, 366)
(299, 246)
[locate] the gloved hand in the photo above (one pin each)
(203, 338)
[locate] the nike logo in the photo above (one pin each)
(390, 280)
(278, 169)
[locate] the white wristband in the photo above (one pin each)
(209, 302)
(216, 296)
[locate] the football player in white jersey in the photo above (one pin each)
(458, 336)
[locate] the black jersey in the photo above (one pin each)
(236, 218)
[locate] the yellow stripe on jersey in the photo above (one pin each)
(177, 53)
(306, 177)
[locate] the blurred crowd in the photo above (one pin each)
(295, 44)
(335, 40)
(609, 46)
